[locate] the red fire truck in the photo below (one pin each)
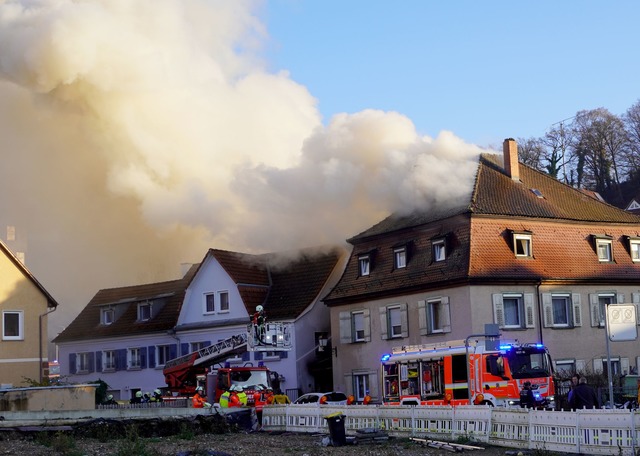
(458, 373)
(184, 374)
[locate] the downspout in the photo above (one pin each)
(539, 310)
(40, 339)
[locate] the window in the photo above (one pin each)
(634, 249)
(223, 300)
(395, 322)
(364, 264)
(561, 310)
(209, 303)
(108, 316)
(195, 346)
(604, 248)
(566, 367)
(108, 360)
(134, 360)
(513, 310)
(358, 326)
(163, 354)
(83, 363)
(439, 250)
(400, 257)
(12, 325)
(598, 303)
(144, 311)
(522, 245)
(360, 386)
(434, 316)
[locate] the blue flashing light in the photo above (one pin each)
(505, 347)
(385, 357)
(539, 346)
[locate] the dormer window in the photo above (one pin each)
(144, 311)
(604, 248)
(522, 245)
(364, 265)
(634, 249)
(400, 257)
(439, 247)
(108, 316)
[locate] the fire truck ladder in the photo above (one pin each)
(212, 353)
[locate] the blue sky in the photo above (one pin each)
(484, 70)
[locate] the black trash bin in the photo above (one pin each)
(336, 429)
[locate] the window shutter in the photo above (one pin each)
(384, 325)
(529, 311)
(422, 318)
(72, 363)
(173, 351)
(184, 349)
(620, 298)
(367, 326)
(121, 359)
(624, 366)
(577, 309)
(258, 355)
(446, 316)
(143, 357)
(594, 309)
(635, 297)
(345, 328)
(98, 361)
(547, 309)
(580, 366)
(498, 310)
(92, 362)
(404, 320)
(246, 356)
(373, 385)
(597, 366)
(151, 351)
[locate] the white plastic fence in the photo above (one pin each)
(585, 431)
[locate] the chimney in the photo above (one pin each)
(510, 151)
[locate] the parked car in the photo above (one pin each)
(332, 398)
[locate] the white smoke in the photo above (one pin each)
(138, 134)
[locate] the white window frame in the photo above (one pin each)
(522, 245)
(395, 321)
(223, 301)
(364, 265)
(573, 303)
(602, 306)
(439, 249)
(567, 305)
(82, 362)
(195, 346)
(209, 303)
(519, 309)
(400, 257)
(357, 322)
(360, 386)
(434, 315)
(134, 358)
(435, 309)
(108, 360)
(108, 316)
(347, 328)
(566, 367)
(634, 250)
(525, 310)
(6, 335)
(604, 248)
(142, 312)
(163, 354)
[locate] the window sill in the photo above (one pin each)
(108, 370)
(134, 368)
(82, 372)
(271, 358)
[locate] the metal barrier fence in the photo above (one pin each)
(601, 431)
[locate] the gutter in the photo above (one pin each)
(540, 321)
(40, 339)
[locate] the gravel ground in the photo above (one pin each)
(236, 444)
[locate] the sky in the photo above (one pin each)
(139, 134)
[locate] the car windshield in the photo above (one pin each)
(250, 379)
(533, 363)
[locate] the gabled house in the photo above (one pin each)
(24, 307)
(126, 335)
(524, 251)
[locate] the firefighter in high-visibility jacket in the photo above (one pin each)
(199, 400)
(242, 396)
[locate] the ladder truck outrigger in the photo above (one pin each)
(185, 373)
(461, 372)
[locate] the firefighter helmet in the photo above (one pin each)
(157, 391)
(259, 308)
(138, 393)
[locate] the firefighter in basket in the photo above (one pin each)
(199, 399)
(259, 319)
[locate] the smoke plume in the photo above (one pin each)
(138, 134)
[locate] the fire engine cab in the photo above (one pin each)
(458, 373)
(202, 367)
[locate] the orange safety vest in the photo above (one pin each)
(198, 401)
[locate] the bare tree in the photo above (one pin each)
(558, 140)
(531, 152)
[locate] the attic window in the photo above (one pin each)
(364, 265)
(144, 311)
(522, 246)
(108, 316)
(400, 257)
(604, 248)
(439, 248)
(634, 248)
(537, 192)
